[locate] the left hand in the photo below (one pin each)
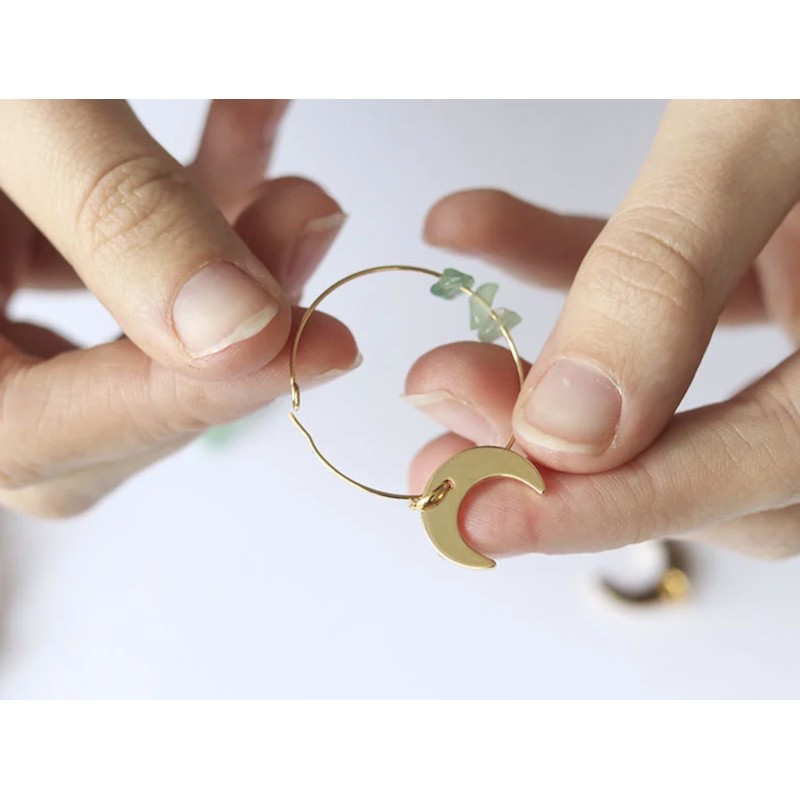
(88, 199)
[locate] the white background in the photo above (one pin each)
(249, 571)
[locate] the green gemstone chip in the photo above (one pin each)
(221, 435)
(488, 326)
(449, 285)
(491, 329)
(478, 311)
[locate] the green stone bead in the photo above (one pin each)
(222, 435)
(491, 330)
(478, 312)
(449, 285)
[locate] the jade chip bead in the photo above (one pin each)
(450, 284)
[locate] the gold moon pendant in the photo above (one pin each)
(465, 470)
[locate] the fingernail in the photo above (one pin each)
(575, 408)
(457, 415)
(332, 374)
(309, 248)
(219, 306)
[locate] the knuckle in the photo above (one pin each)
(196, 411)
(183, 407)
(778, 411)
(27, 408)
(647, 255)
(645, 492)
(188, 407)
(19, 411)
(778, 546)
(767, 535)
(132, 197)
(16, 475)
(622, 510)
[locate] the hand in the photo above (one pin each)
(710, 228)
(198, 265)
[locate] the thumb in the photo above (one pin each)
(720, 178)
(142, 236)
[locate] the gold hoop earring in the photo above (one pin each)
(440, 501)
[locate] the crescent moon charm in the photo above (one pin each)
(464, 471)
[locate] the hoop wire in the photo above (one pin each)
(416, 500)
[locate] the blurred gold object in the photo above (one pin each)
(673, 585)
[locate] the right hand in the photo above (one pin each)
(199, 266)
(709, 229)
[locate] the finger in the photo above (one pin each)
(230, 165)
(291, 226)
(711, 466)
(535, 244)
(745, 304)
(769, 535)
(235, 149)
(432, 456)
(492, 520)
(76, 492)
(469, 388)
(648, 294)
(528, 241)
(143, 238)
(778, 267)
(112, 402)
(34, 340)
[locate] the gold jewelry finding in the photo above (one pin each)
(446, 488)
(673, 585)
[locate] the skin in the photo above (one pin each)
(89, 199)
(709, 232)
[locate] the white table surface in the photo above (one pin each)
(250, 572)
